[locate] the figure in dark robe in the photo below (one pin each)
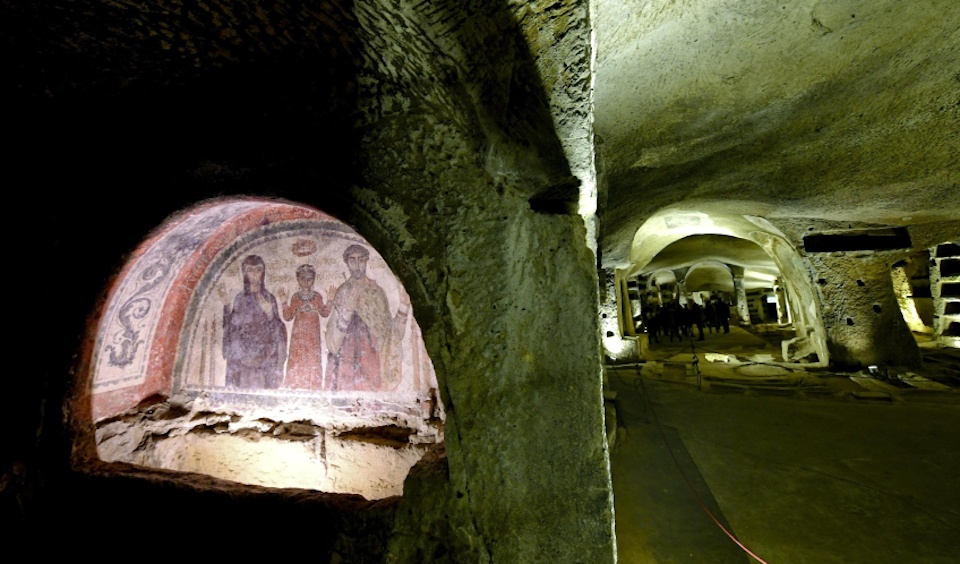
(710, 312)
(254, 336)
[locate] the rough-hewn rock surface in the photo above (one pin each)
(455, 137)
(466, 142)
(844, 111)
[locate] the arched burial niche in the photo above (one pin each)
(672, 225)
(263, 343)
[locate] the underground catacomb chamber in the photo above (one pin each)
(744, 262)
(262, 343)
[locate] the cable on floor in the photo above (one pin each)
(636, 390)
(690, 486)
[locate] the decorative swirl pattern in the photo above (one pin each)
(128, 340)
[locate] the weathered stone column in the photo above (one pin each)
(783, 304)
(625, 308)
(935, 282)
(609, 320)
(615, 318)
(861, 315)
(682, 292)
(743, 309)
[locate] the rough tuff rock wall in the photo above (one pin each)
(861, 314)
(425, 125)
(456, 141)
(560, 40)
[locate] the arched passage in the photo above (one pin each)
(702, 240)
(709, 276)
(261, 342)
(660, 281)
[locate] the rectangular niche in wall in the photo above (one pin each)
(858, 240)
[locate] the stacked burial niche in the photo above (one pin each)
(263, 343)
(945, 282)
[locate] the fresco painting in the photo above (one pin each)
(281, 320)
(126, 329)
(304, 310)
(307, 310)
(364, 339)
(254, 336)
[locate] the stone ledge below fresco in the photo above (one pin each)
(369, 456)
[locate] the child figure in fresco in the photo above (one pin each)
(305, 308)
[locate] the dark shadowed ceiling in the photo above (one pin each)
(815, 115)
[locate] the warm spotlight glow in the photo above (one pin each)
(298, 362)
(614, 346)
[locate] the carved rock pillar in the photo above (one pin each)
(609, 320)
(861, 314)
(743, 309)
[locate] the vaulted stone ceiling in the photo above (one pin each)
(701, 251)
(816, 115)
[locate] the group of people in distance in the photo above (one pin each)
(363, 338)
(671, 320)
